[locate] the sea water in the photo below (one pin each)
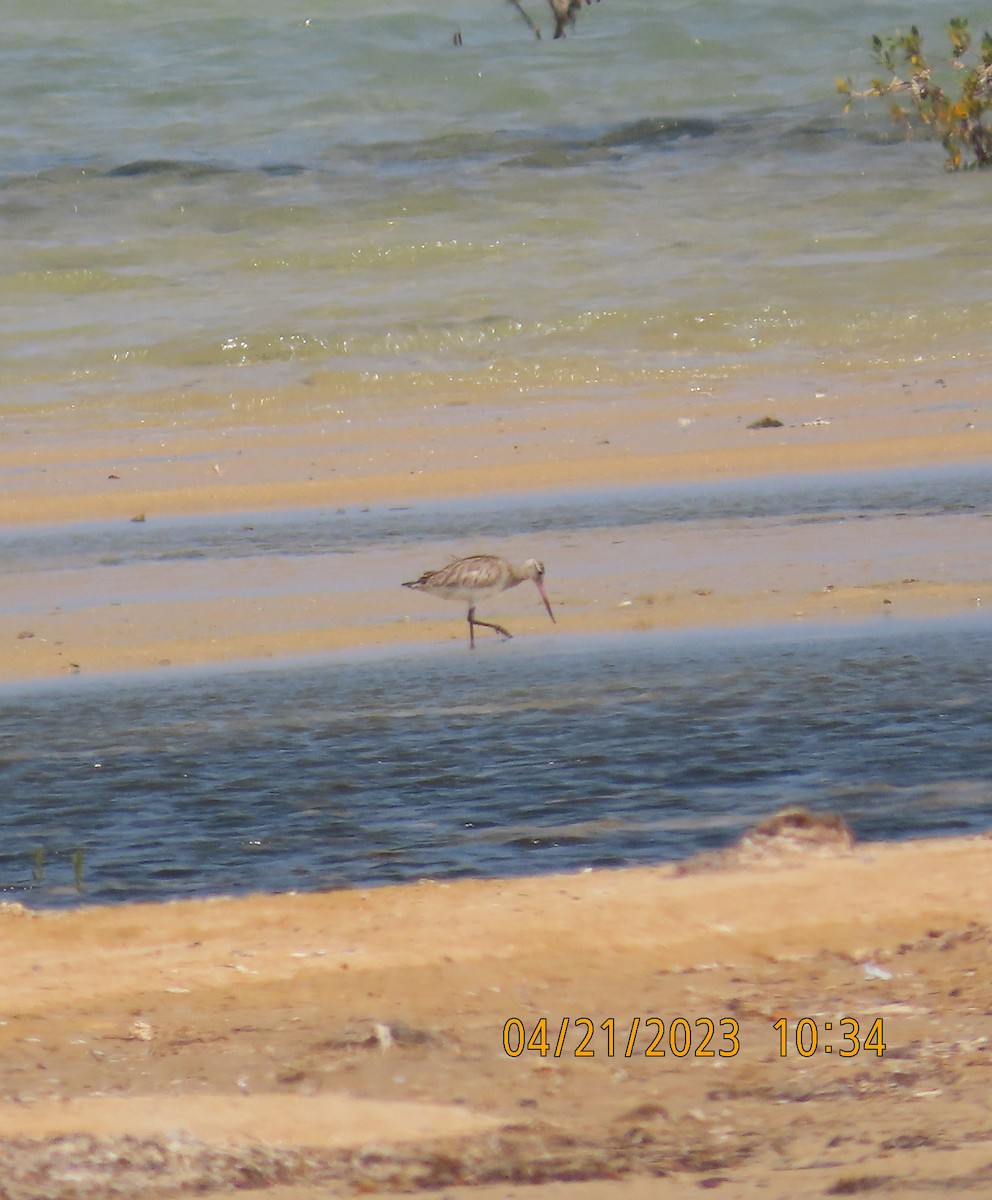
(371, 769)
(314, 204)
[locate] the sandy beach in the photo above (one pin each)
(369, 1041)
(353, 1042)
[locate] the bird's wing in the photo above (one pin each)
(478, 571)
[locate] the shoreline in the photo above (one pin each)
(349, 1039)
(400, 924)
(861, 611)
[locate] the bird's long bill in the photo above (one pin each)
(547, 602)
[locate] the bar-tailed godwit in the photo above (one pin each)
(476, 578)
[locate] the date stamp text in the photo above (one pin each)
(686, 1037)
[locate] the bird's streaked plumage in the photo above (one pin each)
(473, 579)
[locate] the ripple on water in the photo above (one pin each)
(630, 750)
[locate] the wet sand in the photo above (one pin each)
(189, 612)
(61, 467)
(324, 1045)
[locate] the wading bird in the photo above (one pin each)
(563, 10)
(476, 578)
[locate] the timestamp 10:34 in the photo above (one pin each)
(703, 1037)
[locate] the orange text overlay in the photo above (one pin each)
(686, 1037)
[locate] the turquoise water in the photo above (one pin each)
(311, 206)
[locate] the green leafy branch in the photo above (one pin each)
(957, 114)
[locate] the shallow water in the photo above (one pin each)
(774, 501)
(200, 203)
(441, 764)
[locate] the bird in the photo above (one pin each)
(477, 577)
(563, 11)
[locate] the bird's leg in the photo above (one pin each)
(472, 622)
(499, 628)
(533, 28)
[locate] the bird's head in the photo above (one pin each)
(535, 570)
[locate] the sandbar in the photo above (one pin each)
(62, 470)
